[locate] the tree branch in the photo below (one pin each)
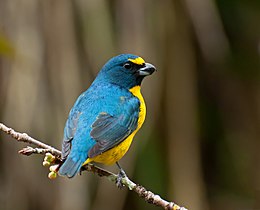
(148, 196)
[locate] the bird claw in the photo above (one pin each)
(119, 179)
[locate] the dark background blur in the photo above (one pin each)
(200, 143)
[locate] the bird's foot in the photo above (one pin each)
(120, 177)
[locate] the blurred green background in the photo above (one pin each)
(200, 143)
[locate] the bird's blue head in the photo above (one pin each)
(125, 70)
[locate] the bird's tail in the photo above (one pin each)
(70, 167)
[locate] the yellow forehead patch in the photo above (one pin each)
(138, 61)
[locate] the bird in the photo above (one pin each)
(105, 118)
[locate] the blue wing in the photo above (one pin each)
(109, 131)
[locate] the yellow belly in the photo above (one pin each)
(116, 153)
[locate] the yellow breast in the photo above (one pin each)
(117, 152)
(136, 91)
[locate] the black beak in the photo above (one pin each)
(146, 70)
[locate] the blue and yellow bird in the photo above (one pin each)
(105, 118)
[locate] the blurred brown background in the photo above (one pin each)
(200, 143)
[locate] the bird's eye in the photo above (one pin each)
(128, 65)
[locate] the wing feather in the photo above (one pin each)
(108, 130)
(69, 132)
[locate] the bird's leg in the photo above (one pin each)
(120, 176)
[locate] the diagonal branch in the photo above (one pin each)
(148, 196)
(23, 137)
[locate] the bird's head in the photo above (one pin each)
(125, 70)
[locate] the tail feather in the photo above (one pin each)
(70, 167)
